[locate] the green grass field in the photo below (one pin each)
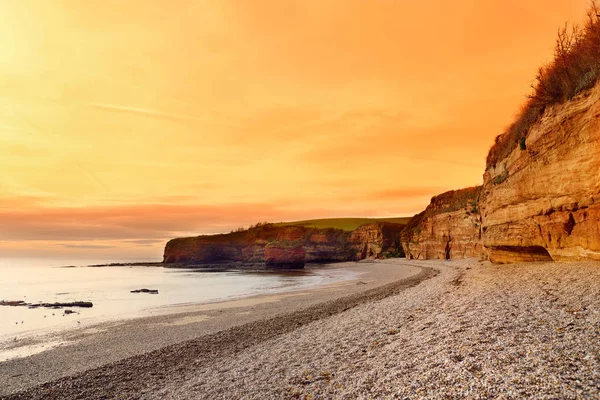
(347, 224)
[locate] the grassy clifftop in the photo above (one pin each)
(346, 224)
(328, 240)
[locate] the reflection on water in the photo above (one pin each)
(109, 289)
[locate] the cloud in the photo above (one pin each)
(76, 252)
(21, 202)
(281, 125)
(144, 242)
(403, 193)
(151, 223)
(391, 137)
(146, 112)
(85, 246)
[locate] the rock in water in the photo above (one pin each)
(12, 303)
(83, 304)
(150, 291)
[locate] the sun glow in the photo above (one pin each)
(143, 120)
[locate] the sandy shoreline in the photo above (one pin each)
(95, 346)
(473, 330)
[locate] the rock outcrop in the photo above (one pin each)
(287, 251)
(449, 228)
(22, 303)
(542, 201)
(377, 240)
(280, 246)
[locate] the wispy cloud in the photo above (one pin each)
(86, 246)
(10, 203)
(91, 176)
(151, 223)
(403, 193)
(145, 242)
(147, 112)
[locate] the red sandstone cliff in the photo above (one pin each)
(542, 202)
(449, 228)
(377, 240)
(288, 246)
(287, 251)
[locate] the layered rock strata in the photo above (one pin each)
(377, 240)
(542, 202)
(449, 228)
(287, 251)
(280, 246)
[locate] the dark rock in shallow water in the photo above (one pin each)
(151, 291)
(12, 303)
(83, 304)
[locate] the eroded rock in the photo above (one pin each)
(285, 246)
(547, 196)
(150, 291)
(449, 228)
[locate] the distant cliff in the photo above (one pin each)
(449, 228)
(288, 246)
(542, 200)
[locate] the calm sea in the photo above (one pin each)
(108, 288)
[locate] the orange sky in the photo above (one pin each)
(124, 123)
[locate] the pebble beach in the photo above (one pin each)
(459, 329)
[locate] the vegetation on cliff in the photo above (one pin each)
(346, 224)
(448, 228)
(276, 243)
(575, 68)
(447, 202)
(455, 200)
(542, 202)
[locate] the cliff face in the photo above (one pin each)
(377, 240)
(288, 246)
(287, 251)
(542, 202)
(449, 228)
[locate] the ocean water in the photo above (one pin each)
(108, 288)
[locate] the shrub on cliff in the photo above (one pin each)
(575, 68)
(285, 244)
(454, 200)
(413, 227)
